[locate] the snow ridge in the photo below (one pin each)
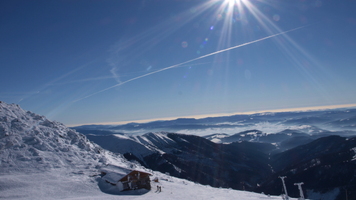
(140, 146)
(30, 142)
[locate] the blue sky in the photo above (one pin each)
(91, 61)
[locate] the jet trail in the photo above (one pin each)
(198, 58)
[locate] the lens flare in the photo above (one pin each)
(229, 24)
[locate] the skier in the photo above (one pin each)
(159, 189)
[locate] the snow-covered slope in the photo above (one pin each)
(140, 146)
(57, 186)
(194, 158)
(30, 142)
(41, 159)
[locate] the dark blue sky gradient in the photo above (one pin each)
(59, 58)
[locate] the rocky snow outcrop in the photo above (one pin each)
(30, 142)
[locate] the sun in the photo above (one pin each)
(231, 1)
(231, 6)
(234, 2)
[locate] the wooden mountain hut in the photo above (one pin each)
(133, 179)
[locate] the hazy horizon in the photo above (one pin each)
(316, 108)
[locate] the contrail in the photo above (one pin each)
(198, 58)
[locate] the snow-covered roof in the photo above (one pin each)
(113, 177)
(116, 169)
(114, 173)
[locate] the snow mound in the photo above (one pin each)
(32, 143)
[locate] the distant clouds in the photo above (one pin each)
(222, 114)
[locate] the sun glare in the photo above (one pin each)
(234, 2)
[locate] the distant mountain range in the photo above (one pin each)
(315, 147)
(330, 122)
